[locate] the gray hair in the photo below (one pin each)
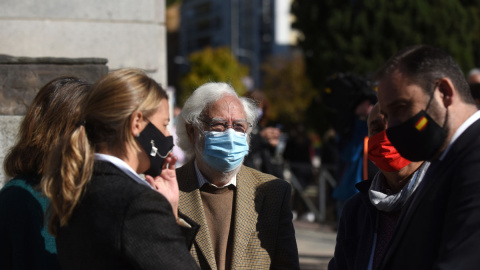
(474, 71)
(201, 99)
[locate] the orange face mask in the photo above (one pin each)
(382, 153)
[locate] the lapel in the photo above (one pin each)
(247, 207)
(434, 175)
(408, 211)
(190, 204)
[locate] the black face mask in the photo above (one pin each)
(418, 138)
(157, 147)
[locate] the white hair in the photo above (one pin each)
(202, 98)
(474, 71)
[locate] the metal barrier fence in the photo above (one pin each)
(324, 178)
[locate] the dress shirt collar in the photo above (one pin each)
(202, 180)
(123, 166)
(474, 117)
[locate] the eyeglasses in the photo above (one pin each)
(221, 126)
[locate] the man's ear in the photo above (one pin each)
(136, 123)
(190, 132)
(447, 91)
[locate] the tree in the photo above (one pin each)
(171, 2)
(213, 65)
(287, 88)
(358, 36)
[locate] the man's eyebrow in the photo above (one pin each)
(241, 120)
(216, 119)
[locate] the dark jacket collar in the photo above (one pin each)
(364, 186)
(105, 167)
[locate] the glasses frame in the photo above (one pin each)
(226, 125)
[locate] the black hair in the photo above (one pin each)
(424, 65)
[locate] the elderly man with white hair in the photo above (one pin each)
(245, 215)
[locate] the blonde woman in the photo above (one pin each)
(104, 215)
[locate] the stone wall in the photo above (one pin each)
(8, 136)
(129, 33)
(20, 80)
(22, 77)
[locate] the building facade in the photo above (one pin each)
(252, 29)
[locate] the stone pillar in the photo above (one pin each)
(20, 80)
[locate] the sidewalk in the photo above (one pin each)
(316, 244)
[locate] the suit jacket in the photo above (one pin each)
(263, 235)
(440, 228)
(356, 229)
(120, 224)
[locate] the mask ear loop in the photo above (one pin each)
(165, 155)
(155, 151)
(430, 101)
(431, 96)
(445, 121)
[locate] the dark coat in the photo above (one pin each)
(355, 232)
(120, 224)
(440, 228)
(24, 240)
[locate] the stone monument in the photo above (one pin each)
(20, 80)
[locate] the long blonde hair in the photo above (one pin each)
(114, 98)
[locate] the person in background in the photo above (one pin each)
(24, 240)
(245, 215)
(369, 217)
(475, 91)
(330, 162)
(474, 82)
(298, 152)
(264, 140)
(103, 214)
(353, 155)
(474, 76)
(432, 116)
(177, 152)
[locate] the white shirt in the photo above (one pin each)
(124, 167)
(474, 117)
(202, 180)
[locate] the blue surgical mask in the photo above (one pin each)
(224, 151)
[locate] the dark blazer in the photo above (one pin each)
(355, 231)
(263, 237)
(440, 228)
(120, 224)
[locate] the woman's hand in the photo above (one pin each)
(166, 183)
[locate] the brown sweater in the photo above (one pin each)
(218, 205)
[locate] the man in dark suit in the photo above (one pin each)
(369, 218)
(432, 116)
(244, 215)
